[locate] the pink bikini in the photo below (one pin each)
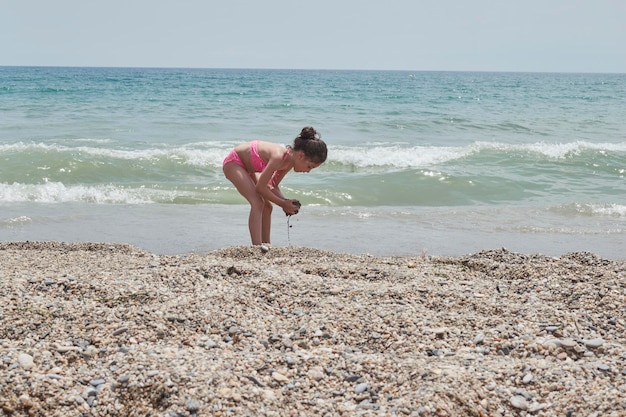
(258, 164)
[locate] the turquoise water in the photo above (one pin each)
(442, 162)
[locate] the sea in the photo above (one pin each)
(419, 163)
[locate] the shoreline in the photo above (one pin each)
(184, 229)
(112, 329)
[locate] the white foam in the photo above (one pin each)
(16, 221)
(398, 156)
(553, 150)
(197, 154)
(616, 210)
(56, 192)
(592, 209)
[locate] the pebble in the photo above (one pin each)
(290, 360)
(594, 343)
(97, 381)
(90, 351)
(25, 361)
(317, 374)
(528, 378)
(519, 402)
(490, 387)
(440, 332)
(280, 377)
(360, 388)
(120, 331)
(65, 349)
(90, 392)
(192, 405)
(567, 343)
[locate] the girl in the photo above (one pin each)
(273, 162)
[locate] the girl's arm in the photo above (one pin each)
(262, 185)
(274, 186)
(276, 190)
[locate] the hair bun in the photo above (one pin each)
(309, 133)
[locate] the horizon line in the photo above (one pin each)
(310, 69)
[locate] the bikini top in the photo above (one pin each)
(258, 164)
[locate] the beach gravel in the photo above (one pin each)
(112, 330)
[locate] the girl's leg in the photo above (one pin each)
(244, 183)
(266, 221)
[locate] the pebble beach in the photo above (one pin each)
(95, 329)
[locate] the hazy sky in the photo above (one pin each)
(465, 35)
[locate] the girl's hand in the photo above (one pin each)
(291, 207)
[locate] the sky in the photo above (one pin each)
(428, 35)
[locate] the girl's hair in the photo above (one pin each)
(310, 142)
